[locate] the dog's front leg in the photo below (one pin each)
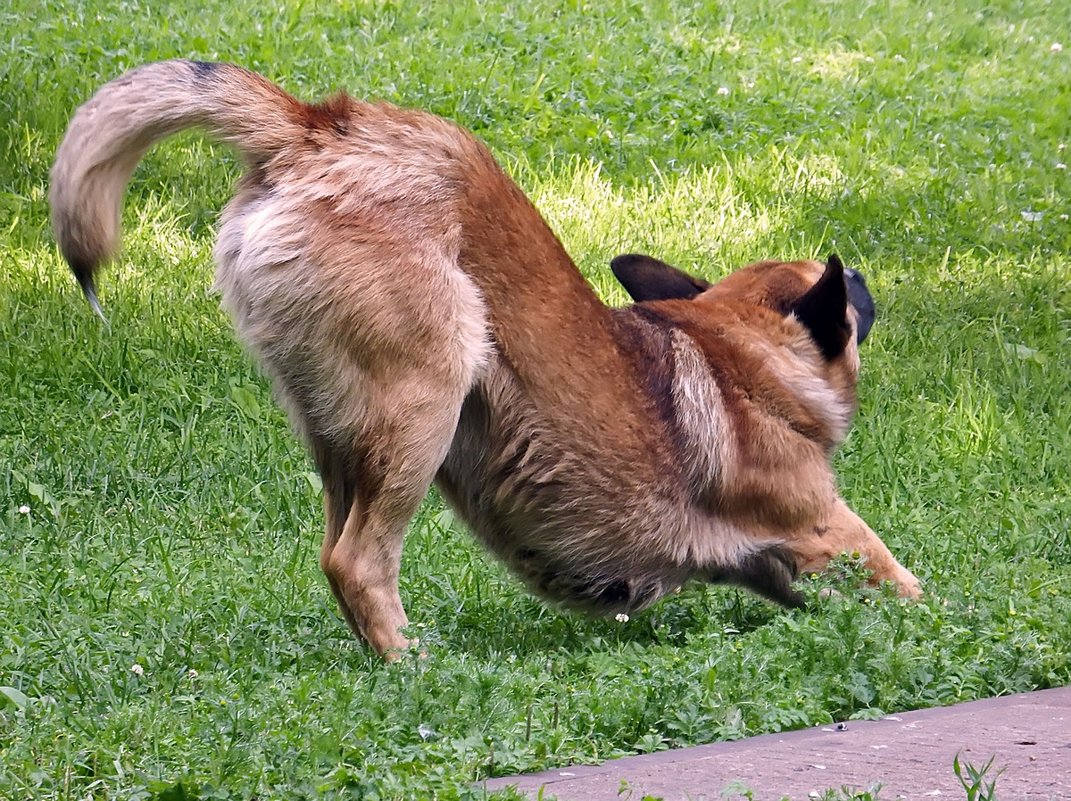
(843, 531)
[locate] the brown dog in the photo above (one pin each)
(420, 322)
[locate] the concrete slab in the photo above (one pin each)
(910, 754)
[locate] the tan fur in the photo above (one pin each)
(420, 322)
(842, 531)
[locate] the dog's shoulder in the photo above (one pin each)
(684, 388)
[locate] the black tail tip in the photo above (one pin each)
(83, 273)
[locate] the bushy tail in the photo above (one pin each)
(110, 133)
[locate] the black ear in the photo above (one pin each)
(823, 310)
(647, 278)
(862, 301)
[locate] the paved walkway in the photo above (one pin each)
(909, 753)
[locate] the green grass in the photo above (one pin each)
(174, 523)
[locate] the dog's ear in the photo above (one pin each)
(862, 301)
(823, 310)
(647, 278)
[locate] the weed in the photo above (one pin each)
(974, 782)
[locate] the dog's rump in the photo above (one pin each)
(343, 187)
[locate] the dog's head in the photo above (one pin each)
(783, 335)
(829, 300)
(780, 341)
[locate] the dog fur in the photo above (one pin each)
(420, 322)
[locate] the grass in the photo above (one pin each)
(155, 511)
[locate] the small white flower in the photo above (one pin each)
(24, 510)
(192, 673)
(1061, 166)
(137, 669)
(1032, 216)
(621, 617)
(1056, 47)
(797, 59)
(723, 90)
(1063, 217)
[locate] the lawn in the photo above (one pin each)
(166, 632)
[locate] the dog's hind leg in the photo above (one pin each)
(372, 337)
(388, 481)
(377, 445)
(340, 495)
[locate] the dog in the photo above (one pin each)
(420, 322)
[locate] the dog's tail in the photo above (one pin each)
(110, 133)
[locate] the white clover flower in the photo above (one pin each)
(1061, 166)
(723, 90)
(1056, 47)
(24, 510)
(621, 617)
(192, 673)
(137, 669)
